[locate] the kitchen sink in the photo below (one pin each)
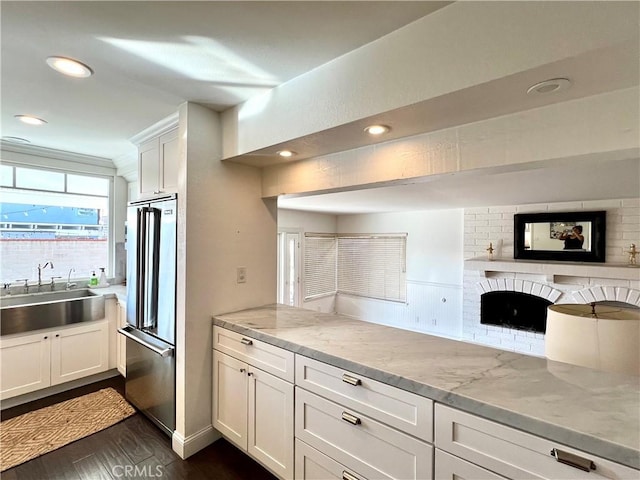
(35, 311)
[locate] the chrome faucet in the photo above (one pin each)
(69, 284)
(26, 284)
(53, 283)
(40, 268)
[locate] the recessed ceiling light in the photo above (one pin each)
(549, 86)
(30, 119)
(377, 129)
(22, 141)
(69, 66)
(286, 153)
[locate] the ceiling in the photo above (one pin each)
(150, 57)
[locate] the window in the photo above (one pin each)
(366, 265)
(319, 265)
(373, 266)
(52, 216)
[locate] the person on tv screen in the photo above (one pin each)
(573, 239)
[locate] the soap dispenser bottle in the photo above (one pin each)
(93, 281)
(103, 278)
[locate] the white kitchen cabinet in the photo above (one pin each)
(352, 427)
(314, 465)
(397, 408)
(512, 453)
(230, 398)
(49, 357)
(79, 351)
(25, 362)
(450, 467)
(251, 407)
(158, 164)
(360, 442)
(121, 340)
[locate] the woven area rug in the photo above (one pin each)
(35, 433)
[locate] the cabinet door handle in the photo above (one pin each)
(573, 460)
(242, 370)
(57, 335)
(352, 419)
(351, 380)
(348, 476)
(46, 337)
(250, 374)
(246, 341)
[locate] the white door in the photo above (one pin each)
(271, 422)
(24, 364)
(289, 268)
(79, 351)
(230, 398)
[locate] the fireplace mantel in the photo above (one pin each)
(553, 269)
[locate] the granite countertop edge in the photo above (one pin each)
(581, 441)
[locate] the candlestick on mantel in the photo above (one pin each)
(632, 255)
(490, 251)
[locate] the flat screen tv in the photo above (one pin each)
(560, 236)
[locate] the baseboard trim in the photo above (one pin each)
(187, 446)
(63, 387)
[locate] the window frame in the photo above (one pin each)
(402, 286)
(81, 170)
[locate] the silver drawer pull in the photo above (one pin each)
(351, 380)
(573, 460)
(246, 341)
(347, 476)
(352, 419)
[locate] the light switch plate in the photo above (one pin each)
(241, 275)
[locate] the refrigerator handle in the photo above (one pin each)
(163, 352)
(141, 267)
(152, 268)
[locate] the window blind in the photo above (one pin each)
(366, 265)
(373, 266)
(319, 265)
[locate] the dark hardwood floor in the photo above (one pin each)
(131, 449)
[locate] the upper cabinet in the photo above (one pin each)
(158, 157)
(158, 165)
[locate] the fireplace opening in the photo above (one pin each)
(514, 310)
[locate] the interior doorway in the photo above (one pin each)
(289, 268)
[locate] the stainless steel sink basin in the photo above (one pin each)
(34, 311)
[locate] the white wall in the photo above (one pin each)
(223, 223)
(434, 267)
(434, 242)
(460, 55)
(307, 221)
(434, 271)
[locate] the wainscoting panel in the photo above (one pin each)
(431, 308)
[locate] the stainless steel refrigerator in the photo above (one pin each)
(151, 309)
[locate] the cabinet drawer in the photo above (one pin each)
(449, 467)
(403, 410)
(314, 465)
(275, 360)
(513, 453)
(360, 443)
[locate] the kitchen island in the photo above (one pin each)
(589, 410)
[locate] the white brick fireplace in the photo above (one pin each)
(557, 282)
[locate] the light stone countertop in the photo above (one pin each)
(593, 411)
(118, 291)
